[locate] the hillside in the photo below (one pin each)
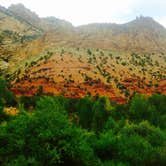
(19, 27)
(141, 35)
(55, 57)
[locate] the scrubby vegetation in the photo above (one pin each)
(68, 67)
(87, 131)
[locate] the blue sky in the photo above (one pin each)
(80, 12)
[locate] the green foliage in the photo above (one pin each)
(153, 135)
(134, 149)
(159, 102)
(106, 145)
(39, 91)
(29, 102)
(2, 115)
(85, 113)
(93, 114)
(142, 144)
(110, 124)
(140, 108)
(2, 87)
(101, 109)
(101, 134)
(89, 51)
(1, 105)
(5, 95)
(44, 138)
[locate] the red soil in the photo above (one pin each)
(71, 90)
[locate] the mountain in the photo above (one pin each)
(53, 23)
(11, 22)
(115, 60)
(32, 18)
(141, 35)
(20, 26)
(24, 14)
(18, 18)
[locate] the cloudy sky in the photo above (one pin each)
(80, 12)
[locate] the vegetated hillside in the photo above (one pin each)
(24, 23)
(100, 59)
(18, 28)
(14, 33)
(74, 72)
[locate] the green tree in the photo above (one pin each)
(45, 137)
(89, 51)
(134, 149)
(6, 95)
(84, 107)
(142, 144)
(159, 102)
(140, 109)
(106, 146)
(101, 110)
(39, 91)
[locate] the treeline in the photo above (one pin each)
(50, 131)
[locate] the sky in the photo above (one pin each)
(80, 12)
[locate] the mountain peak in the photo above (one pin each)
(21, 11)
(146, 20)
(16, 8)
(142, 18)
(18, 5)
(142, 22)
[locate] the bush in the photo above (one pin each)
(110, 134)
(106, 146)
(89, 51)
(158, 101)
(44, 138)
(153, 135)
(1, 105)
(84, 107)
(101, 110)
(134, 149)
(6, 95)
(3, 116)
(29, 101)
(142, 144)
(140, 109)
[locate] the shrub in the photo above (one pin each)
(101, 110)
(141, 109)
(89, 51)
(29, 101)
(159, 102)
(84, 107)
(106, 146)
(134, 149)
(142, 144)
(6, 95)
(44, 138)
